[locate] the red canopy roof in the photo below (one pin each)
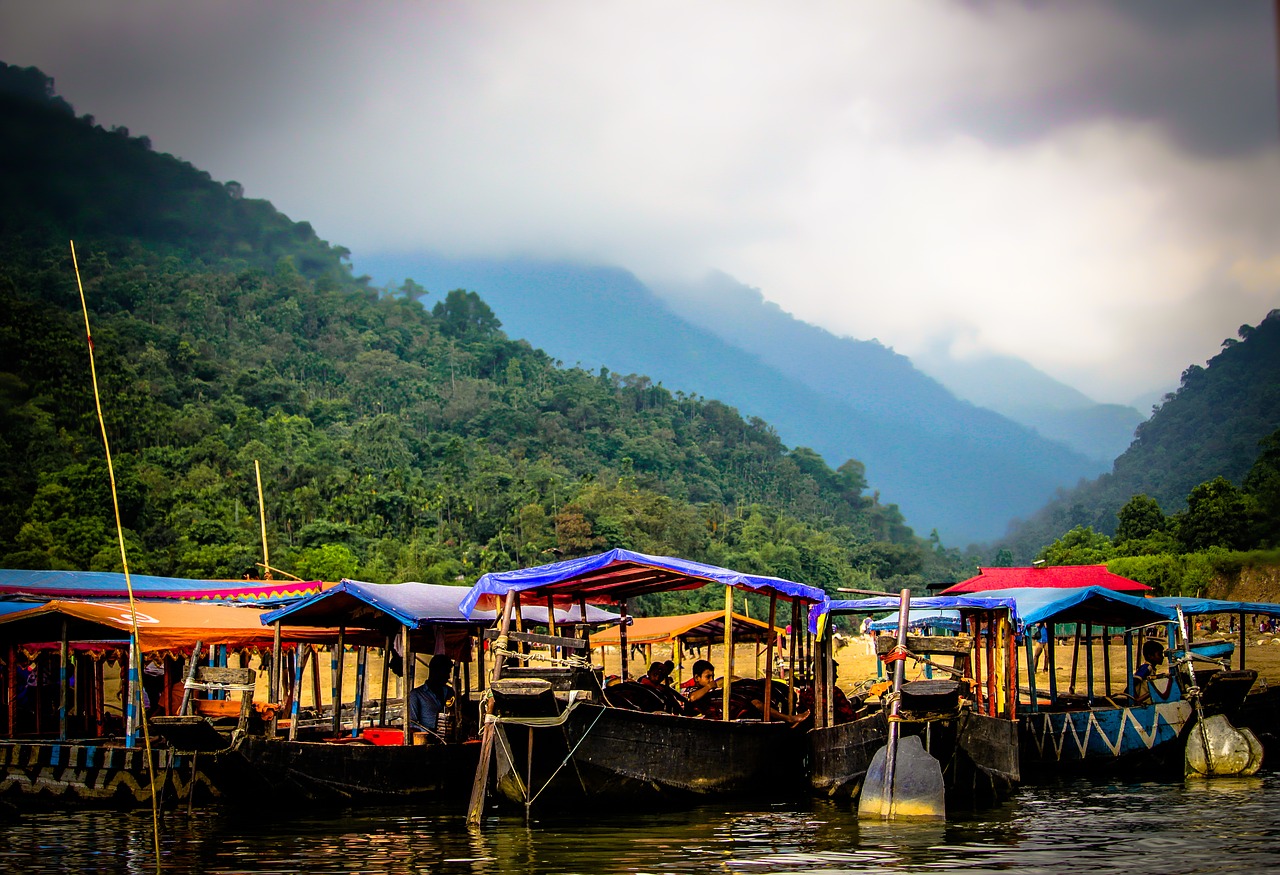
(1054, 576)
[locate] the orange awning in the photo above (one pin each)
(161, 625)
(706, 627)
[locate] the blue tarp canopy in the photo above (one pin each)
(7, 608)
(607, 578)
(1194, 607)
(109, 585)
(932, 604)
(355, 603)
(1090, 604)
(377, 606)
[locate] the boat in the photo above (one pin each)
(965, 718)
(367, 752)
(1095, 724)
(68, 743)
(556, 740)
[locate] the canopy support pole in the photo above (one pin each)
(295, 706)
(62, 683)
(191, 677)
(386, 679)
(728, 653)
(276, 681)
(622, 637)
(409, 666)
(335, 668)
(475, 807)
(791, 659)
(362, 658)
(768, 660)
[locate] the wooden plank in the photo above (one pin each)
(208, 674)
(533, 638)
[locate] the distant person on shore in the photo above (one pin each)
(1042, 647)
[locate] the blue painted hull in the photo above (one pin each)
(1109, 738)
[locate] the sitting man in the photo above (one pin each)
(427, 700)
(1145, 675)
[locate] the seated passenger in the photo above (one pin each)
(1145, 675)
(746, 698)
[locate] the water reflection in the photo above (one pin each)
(1068, 829)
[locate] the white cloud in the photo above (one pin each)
(1058, 182)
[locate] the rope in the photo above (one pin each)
(570, 661)
(569, 755)
(124, 559)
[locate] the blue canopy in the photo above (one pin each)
(370, 605)
(110, 585)
(7, 608)
(622, 574)
(932, 603)
(1193, 607)
(356, 603)
(1091, 604)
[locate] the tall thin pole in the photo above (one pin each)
(262, 520)
(728, 652)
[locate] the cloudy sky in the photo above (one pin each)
(1090, 186)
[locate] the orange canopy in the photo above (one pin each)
(706, 627)
(161, 625)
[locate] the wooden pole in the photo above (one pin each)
(277, 682)
(1088, 666)
(1075, 661)
(386, 678)
(408, 681)
(131, 695)
(362, 657)
(475, 807)
(192, 663)
(1243, 642)
(768, 661)
(622, 637)
(11, 678)
(728, 652)
(791, 659)
(62, 682)
(295, 707)
(1106, 660)
(335, 667)
(1052, 654)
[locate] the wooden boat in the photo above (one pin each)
(965, 719)
(1101, 727)
(64, 746)
(556, 739)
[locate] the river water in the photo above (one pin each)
(1070, 827)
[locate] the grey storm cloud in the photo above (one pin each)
(952, 175)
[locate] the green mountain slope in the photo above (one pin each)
(395, 443)
(1211, 427)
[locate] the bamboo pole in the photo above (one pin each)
(768, 662)
(1088, 666)
(262, 519)
(791, 661)
(191, 677)
(11, 678)
(728, 652)
(276, 681)
(386, 678)
(362, 656)
(622, 637)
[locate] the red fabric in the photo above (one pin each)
(1053, 576)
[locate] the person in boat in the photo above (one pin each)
(1146, 674)
(657, 681)
(1042, 647)
(429, 699)
(746, 698)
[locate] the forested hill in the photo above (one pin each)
(1211, 427)
(395, 443)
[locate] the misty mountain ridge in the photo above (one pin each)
(947, 464)
(1009, 386)
(1014, 388)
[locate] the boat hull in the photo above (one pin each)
(1148, 738)
(327, 773)
(978, 755)
(596, 752)
(87, 775)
